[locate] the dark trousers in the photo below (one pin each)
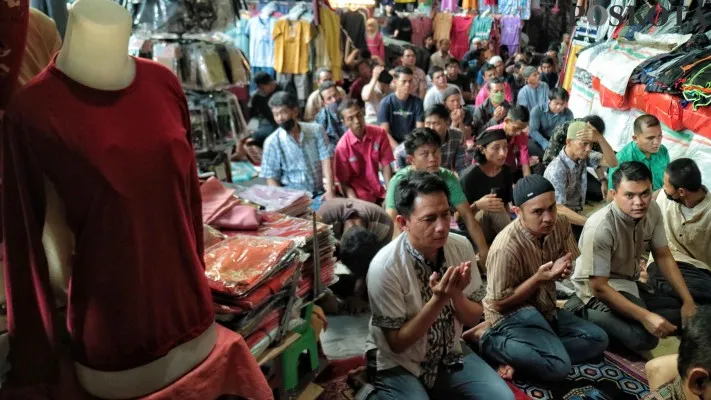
(626, 331)
(665, 301)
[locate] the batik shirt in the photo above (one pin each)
(668, 391)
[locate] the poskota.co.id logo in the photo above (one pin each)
(617, 15)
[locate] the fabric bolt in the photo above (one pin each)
(291, 46)
(358, 162)
(139, 220)
(483, 94)
(453, 154)
(570, 178)
(532, 345)
(518, 149)
(261, 43)
(612, 244)
(481, 28)
(442, 26)
(456, 196)
(398, 287)
(531, 98)
(687, 235)
(514, 257)
(402, 116)
(297, 165)
(460, 35)
(657, 162)
(543, 121)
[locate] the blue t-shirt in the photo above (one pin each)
(402, 116)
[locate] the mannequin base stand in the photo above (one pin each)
(230, 369)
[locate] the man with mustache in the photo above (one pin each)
(686, 207)
(606, 274)
(646, 147)
(523, 329)
(423, 290)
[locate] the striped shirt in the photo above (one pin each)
(515, 256)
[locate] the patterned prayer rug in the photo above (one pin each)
(601, 381)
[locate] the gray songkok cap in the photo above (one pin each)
(530, 187)
(528, 71)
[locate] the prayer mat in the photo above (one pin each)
(601, 381)
(629, 363)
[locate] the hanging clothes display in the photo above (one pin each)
(449, 5)
(510, 31)
(518, 8)
(354, 24)
(261, 44)
(460, 35)
(239, 33)
(421, 27)
(328, 42)
(495, 36)
(292, 55)
(481, 28)
(442, 26)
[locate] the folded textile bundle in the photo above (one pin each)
(278, 199)
(237, 265)
(222, 209)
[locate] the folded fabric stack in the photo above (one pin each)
(223, 210)
(301, 232)
(253, 279)
(666, 73)
(697, 88)
(295, 203)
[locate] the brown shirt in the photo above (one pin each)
(336, 211)
(669, 391)
(515, 256)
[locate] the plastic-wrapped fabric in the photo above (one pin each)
(258, 297)
(240, 263)
(212, 236)
(181, 16)
(283, 226)
(272, 198)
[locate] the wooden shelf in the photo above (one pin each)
(312, 392)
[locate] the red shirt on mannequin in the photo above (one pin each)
(122, 164)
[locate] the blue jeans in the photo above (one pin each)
(476, 380)
(528, 343)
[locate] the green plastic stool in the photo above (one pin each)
(290, 356)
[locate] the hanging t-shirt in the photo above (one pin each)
(391, 25)
(449, 5)
(460, 35)
(421, 27)
(442, 26)
(354, 23)
(519, 8)
(261, 44)
(328, 42)
(481, 28)
(240, 35)
(510, 30)
(404, 31)
(402, 116)
(291, 46)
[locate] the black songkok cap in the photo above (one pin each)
(530, 187)
(489, 136)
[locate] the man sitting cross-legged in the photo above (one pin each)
(523, 329)
(422, 290)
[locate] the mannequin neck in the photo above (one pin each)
(95, 49)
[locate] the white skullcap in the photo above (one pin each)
(495, 60)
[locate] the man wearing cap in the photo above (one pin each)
(568, 172)
(607, 291)
(423, 147)
(523, 329)
(483, 94)
(535, 92)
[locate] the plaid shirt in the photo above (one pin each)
(452, 152)
(296, 165)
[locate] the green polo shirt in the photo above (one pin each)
(456, 196)
(657, 163)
